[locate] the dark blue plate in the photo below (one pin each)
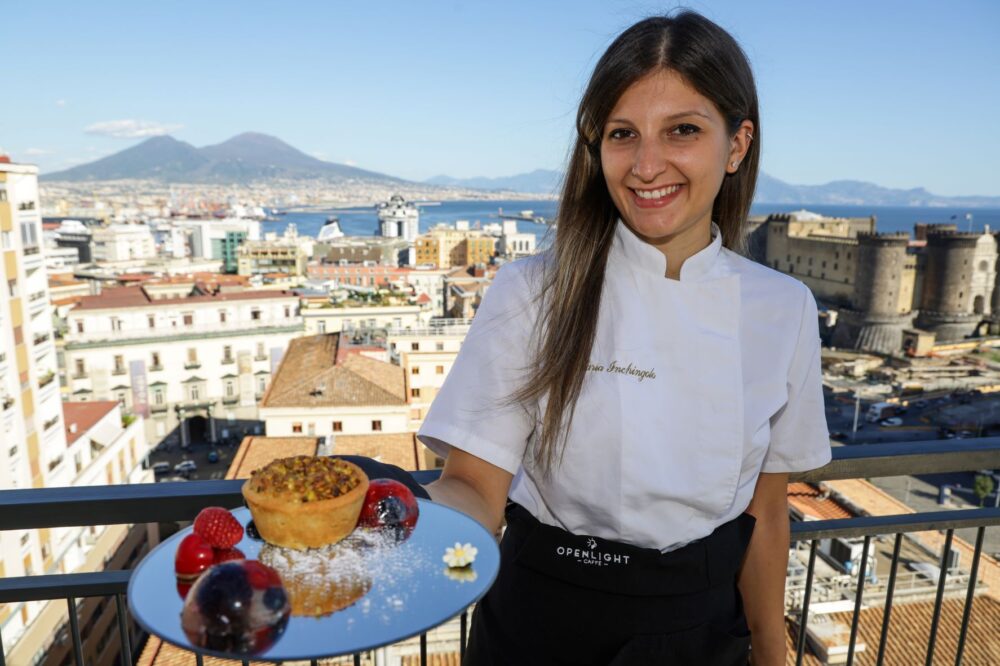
(412, 591)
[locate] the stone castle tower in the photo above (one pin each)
(949, 304)
(878, 312)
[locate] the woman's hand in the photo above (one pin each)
(474, 487)
(762, 578)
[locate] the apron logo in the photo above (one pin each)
(591, 556)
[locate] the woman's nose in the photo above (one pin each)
(650, 160)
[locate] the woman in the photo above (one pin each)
(641, 391)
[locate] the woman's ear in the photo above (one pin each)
(739, 146)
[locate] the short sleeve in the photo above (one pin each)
(800, 439)
(473, 411)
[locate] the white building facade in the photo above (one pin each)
(207, 355)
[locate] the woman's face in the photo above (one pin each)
(665, 151)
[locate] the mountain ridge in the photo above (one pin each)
(245, 157)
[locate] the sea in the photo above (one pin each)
(362, 221)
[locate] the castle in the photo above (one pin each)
(886, 288)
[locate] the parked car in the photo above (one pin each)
(213, 456)
(186, 467)
(891, 422)
(161, 467)
(838, 435)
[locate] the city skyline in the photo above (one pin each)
(847, 92)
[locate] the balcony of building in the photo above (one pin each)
(128, 335)
(911, 587)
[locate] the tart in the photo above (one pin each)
(306, 501)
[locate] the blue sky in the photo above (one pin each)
(903, 94)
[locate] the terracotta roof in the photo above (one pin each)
(84, 415)
(909, 632)
(255, 452)
(132, 297)
(310, 376)
(807, 499)
(400, 449)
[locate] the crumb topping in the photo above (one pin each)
(305, 478)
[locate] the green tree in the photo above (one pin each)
(982, 487)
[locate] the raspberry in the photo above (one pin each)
(218, 527)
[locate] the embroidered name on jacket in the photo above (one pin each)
(590, 555)
(630, 370)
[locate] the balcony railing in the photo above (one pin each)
(150, 503)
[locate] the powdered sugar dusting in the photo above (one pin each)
(324, 580)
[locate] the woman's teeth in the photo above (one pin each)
(657, 194)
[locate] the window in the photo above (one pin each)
(151, 320)
(255, 314)
(415, 370)
(119, 365)
(439, 346)
(229, 389)
(376, 426)
(155, 358)
(439, 370)
(195, 394)
(158, 397)
(414, 346)
(260, 350)
(192, 356)
(415, 393)
(188, 319)
(321, 327)
(227, 354)
(81, 369)
(261, 384)
(79, 326)
(288, 311)
(311, 429)
(297, 428)
(222, 316)
(338, 426)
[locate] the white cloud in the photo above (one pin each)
(131, 129)
(35, 152)
(350, 163)
(60, 102)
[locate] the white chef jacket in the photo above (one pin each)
(695, 386)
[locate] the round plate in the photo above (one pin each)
(412, 591)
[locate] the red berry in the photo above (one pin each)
(218, 527)
(389, 503)
(226, 554)
(260, 575)
(193, 556)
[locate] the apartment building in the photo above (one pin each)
(204, 355)
(325, 386)
(445, 247)
(323, 317)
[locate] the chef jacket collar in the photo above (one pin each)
(648, 259)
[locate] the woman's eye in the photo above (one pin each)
(686, 130)
(620, 133)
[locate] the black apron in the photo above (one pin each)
(564, 599)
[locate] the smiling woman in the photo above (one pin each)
(641, 456)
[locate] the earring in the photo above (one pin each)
(735, 164)
(749, 136)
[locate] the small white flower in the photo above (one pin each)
(461, 555)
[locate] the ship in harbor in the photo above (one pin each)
(330, 230)
(398, 218)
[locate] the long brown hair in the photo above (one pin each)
(711, 62)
